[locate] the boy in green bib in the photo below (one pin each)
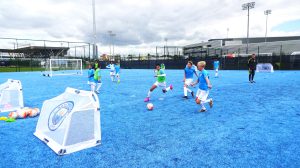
(161, 82)
(97, 78)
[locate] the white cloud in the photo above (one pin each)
(141, 25)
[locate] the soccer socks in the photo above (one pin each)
(169, 88)
(98, 86)
(203, 102)
(149, 93)
(206, 101)
(92, 88)
(202, 106)
(185, 91)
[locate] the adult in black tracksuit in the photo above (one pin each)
(252, 67)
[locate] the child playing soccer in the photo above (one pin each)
(161, 82)
(216, 67)
(97, 78)
(91, 80)
(117, 72)
(189, 71)
(204, 85)
(111, 66)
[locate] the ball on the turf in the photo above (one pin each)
(21, 113)
(34, 112)
(13, 115)
(150, 106)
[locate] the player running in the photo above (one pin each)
(161, 82)
(117, 72)
(216, 67)
(189, 72)
(91, 80)
(111, 66)
(204, 85)
(97, 78)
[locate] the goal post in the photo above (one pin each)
(57, 67)
(264, 67)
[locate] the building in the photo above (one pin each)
(259, 45)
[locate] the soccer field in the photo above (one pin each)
(250, 125)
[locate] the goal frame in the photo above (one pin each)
(271, 70)
(49, 72)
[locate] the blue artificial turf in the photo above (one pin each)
(250, 125)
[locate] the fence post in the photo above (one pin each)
(280, 61)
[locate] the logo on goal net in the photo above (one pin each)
(58, 114)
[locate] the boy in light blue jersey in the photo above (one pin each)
(117, 72)
(216, 67)
(91, 81)
(189, 72)
(204, 85)
(111, 66)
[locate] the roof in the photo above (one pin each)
(38, 51)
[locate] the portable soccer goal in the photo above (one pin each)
(264, 67)
(11, 95)
(70, 122)
(55, 67)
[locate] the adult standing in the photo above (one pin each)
(252, 67)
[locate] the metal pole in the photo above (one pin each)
(227, 32)
(94, 30)
(266, 29)
(248, 6)
(267, 12)
(247, 32)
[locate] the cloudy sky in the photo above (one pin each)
(140, 25)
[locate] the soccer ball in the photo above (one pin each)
(21, 113)
(34, 112)
(13, 115)
(150, 106)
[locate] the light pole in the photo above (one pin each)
(109, 34)
(166, 40)
(94, 32)
(113, 35)
(248, 6)
(267, 12)
(227, 32)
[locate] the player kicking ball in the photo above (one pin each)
(204, 85)
(189, 71)
(161, 82)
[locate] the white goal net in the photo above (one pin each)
(11, 95)
(55, 67)
(264, 67)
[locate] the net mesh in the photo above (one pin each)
(56, 67)
(264, 67)
(11, 97)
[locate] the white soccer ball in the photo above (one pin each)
(34, 112)
(22, 113)
(150, 106)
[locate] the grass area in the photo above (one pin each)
(20, 69)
